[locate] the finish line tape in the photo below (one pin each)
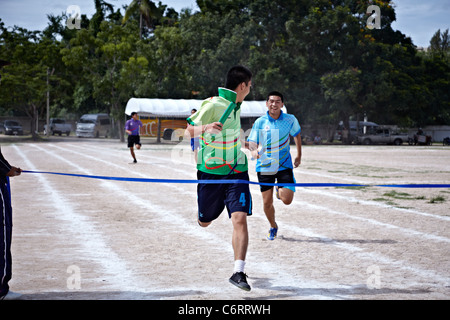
(316, 185)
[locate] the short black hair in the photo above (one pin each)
(275, 93)
(133, 113)
(236, 75)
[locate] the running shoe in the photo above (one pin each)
(272, 233)
(239, 279)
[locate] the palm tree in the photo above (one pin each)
(148, 12)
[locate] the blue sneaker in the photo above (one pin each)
(277, 194)
(272, 233)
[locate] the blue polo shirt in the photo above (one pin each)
(273, 135)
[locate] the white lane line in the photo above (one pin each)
(400, 264)
(343, 198)
(371, 256)
(284, 278)
(407, 231)
(374, 203)
(83, 232)
(321, 192)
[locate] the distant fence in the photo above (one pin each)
(438, 133)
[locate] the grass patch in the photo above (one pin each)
(354, 188)
(389, 196)
(438, 199)
(402, 195)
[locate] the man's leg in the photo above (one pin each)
(240, 244)
(286, 195)
(269, 209)
(240, 235)
(132, 153)
(203, 224)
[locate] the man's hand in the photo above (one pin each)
(255, 154)
(213, 128)
(297, 162)
(14, 172)
(253, 147)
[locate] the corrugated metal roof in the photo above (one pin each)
(181, 108)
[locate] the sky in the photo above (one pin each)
(418, 19)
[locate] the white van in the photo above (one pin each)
(94, 125)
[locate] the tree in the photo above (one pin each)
(149, 13)
(341, 89)
(24, 84)
(320, 54)
(440, 44)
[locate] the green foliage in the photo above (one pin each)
(320, 54)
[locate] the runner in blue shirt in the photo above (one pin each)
(272, 132)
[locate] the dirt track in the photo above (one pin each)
(79, 238)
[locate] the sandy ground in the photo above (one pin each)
(79, 238)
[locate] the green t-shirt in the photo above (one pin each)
(221, 153)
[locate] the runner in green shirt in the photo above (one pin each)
(220, 158)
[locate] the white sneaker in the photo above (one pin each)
(11, 296)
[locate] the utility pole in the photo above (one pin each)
(48, 101)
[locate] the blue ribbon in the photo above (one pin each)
(319, 185)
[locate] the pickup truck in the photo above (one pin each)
(58, 126)
(383, 136)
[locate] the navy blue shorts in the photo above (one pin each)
(213, 198)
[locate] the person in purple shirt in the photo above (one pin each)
(133, 127)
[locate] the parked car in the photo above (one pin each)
(12, 127)
(369, 127)
(58, 126)
(383, 136)
(94, 125)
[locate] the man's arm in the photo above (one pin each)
(7, 169)
(127, 128)
(195, 131)
(253, 147)
(298, 143)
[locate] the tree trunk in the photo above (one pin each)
(34, 116)
(121, 129)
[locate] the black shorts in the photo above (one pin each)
(212, 198)
(283, 176)
(132, 140)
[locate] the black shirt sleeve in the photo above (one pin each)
(5, 167)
